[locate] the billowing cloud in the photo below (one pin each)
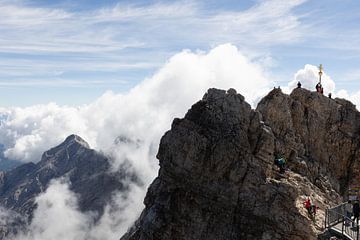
(145, 112)
(127, 126)
(57, 216)
(120, 213)
(353, 97)
(309, 77)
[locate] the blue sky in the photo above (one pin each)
(71, 52)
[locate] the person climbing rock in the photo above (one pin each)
(330, 95)
(280, 162)
(299, 84)
(313, 210)
(307, 205)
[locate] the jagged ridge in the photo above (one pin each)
(217, 179)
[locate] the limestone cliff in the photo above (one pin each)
(217, 179)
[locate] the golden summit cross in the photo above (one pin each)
(320, 72)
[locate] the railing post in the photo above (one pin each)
(326, 216)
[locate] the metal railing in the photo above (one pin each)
(336, 219)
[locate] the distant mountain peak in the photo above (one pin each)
(71, 146)
(87, 171)
(73, 138)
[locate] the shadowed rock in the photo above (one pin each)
(217, 179)
(87, 170)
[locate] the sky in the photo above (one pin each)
(71, 52)
(109, 69)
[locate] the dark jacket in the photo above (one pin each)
(356, 209)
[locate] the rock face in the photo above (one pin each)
(87, 170)
(320, 136)
(217, 178)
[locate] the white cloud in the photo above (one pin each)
(57, 216)
(119, 215)
(144, 113)
(36, 127)
(116, 38)
(354, 97)
(139, 117)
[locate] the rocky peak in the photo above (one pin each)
(73, 142)
(217, 177)
(318, 135)
(75, 139)
(87, 171)
(64, 155)
(221, 109)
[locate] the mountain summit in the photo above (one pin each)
(217, 177)
(88, 172)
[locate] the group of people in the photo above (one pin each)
(319, 88)
(352, 212)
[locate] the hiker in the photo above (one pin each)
(319, 88)
(356, 212)
(330, 95)
(310, 207)
(280, 162)
(348, 213)
(307, 205)
(313, 209)
(299, 85)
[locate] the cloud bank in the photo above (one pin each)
(127, 126)
(145, 112)
(57, 216)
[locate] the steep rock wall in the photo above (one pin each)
(217, 179)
